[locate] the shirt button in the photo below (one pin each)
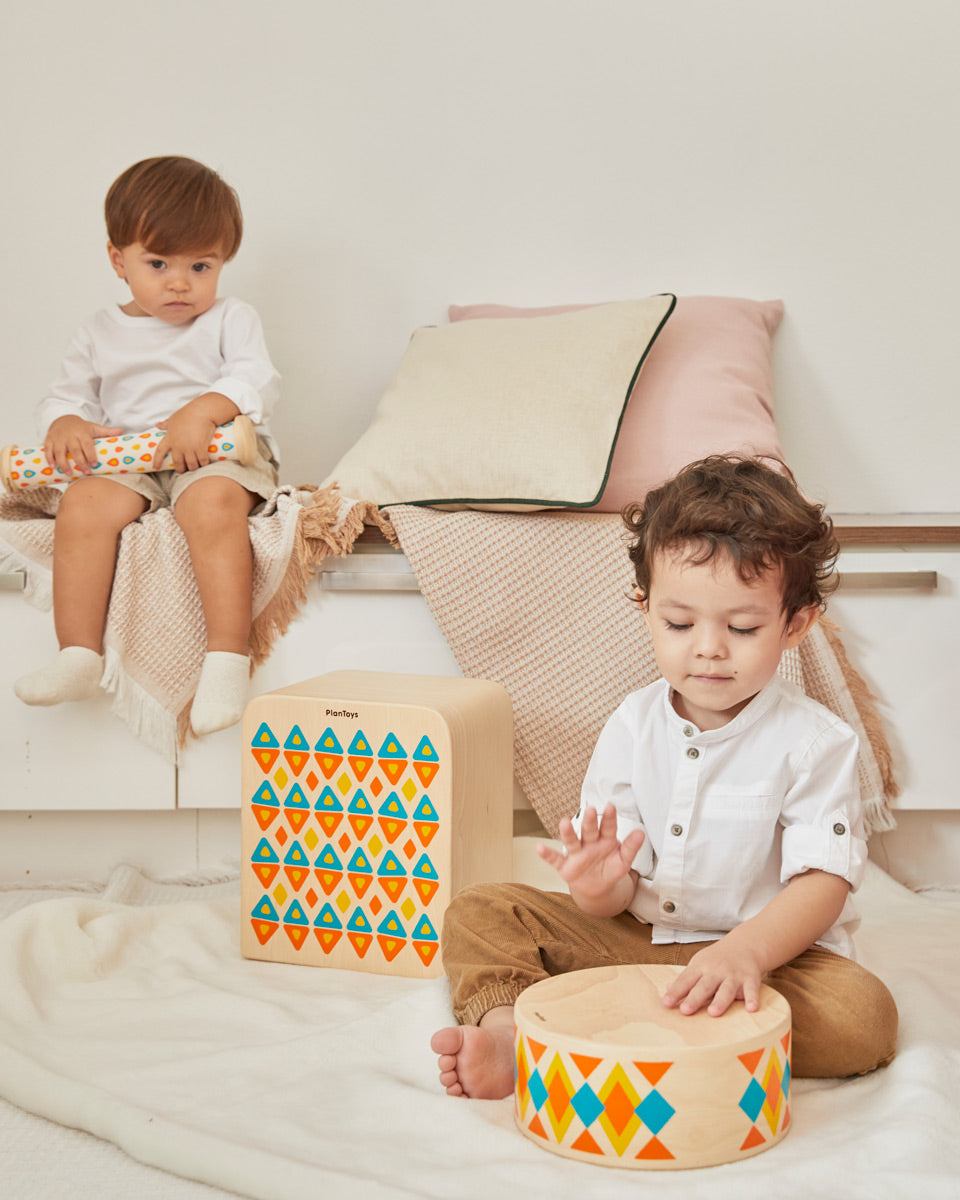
(693, 752)
(669, 906)
(676, 830)
(839, 828)
(688, 731)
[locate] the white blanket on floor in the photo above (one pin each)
(132, 1015)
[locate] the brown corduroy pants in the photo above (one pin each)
(498, 939)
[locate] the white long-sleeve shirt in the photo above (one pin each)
(134, 372)
(730, 814)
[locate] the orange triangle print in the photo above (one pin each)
(425, 831)
(427, 951)
(265, 758)
(361, 942)
(297, 817)
(264, 930)
(536, 1049)
(297, 934)
(537, 1128)
(329, 822)
(785, 1042)
(296, 875)
(655, 1149)
(392, 885)
(393, 768)
(750, 1060)
(328, 879)
(264, 815)
(391, 828)
(586, 1066)
(360, 766)
(390, 947)
(426, 889)
(753, 1138)
(328, 938)
(426, 771)
(296, 759)
(266, 872)
(360, 883)
(653, 1072)
(585, 1143)
(360, 825)
(328, 763)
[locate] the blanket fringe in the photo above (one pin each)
(328, 525)
(877, 814)
(146, 717)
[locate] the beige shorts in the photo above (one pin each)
(164, 488)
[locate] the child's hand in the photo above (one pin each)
(71, 437)
(189, 431)
(596, 866)
(720, 973)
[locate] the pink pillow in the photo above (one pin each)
(705, 388)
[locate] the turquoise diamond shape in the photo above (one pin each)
(538, 1092)
(752, 1100)
(654, 1111)
(587, 1104)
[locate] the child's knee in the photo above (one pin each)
(853, 1039)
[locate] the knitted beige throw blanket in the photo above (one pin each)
(541, 603)
(155, 638)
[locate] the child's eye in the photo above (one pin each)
(744, 632)
(157, 263)
(674, 625)
(201, 267)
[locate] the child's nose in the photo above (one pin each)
(711, 644)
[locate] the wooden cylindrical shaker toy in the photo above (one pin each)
(129, 453)
(606, 1074)
(369, 799)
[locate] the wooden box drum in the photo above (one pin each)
(607, 1075)
(368, 801)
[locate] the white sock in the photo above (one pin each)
(221, 692)
(73, 675)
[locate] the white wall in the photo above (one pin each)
(393, 156)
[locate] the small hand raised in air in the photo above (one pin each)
(596, 866)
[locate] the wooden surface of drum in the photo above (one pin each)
(607, 1075)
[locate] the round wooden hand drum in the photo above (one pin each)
(606, 1074)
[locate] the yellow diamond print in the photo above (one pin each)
(619, 1120)
(559, 1093)
(343, 902)
(408, 908)
(343, 783)
(375, 845)
(279, 893)
(409, 789)
(281, 777)
(311, 839)
(773, 1086)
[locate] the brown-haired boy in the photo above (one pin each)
(177, 357)
(731, 832)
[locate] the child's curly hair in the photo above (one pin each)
(744, 508)
(173, 205)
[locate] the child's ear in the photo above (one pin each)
(116, 260)
(800, 625)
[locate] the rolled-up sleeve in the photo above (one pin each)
(822, 814)
(609, 780)
(248, 376)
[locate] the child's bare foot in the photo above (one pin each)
(475, 1061)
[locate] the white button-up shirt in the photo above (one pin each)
(730, 814)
